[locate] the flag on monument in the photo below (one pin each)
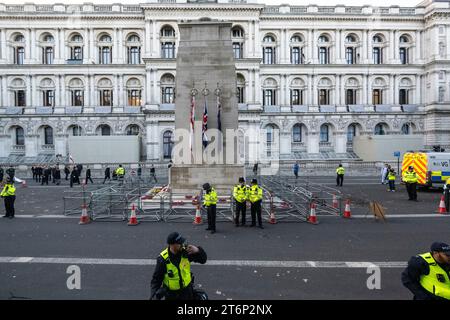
(71, 159)
(191, 136)
(205, 126)
(219, 109)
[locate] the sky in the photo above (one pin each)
(404, 3)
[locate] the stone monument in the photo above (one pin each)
(206, 74)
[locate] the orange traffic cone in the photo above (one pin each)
(272, 218)
(335, 202)
(84, 216)
(312, 215)
(198, 216)
(133, 219)
(442, 208)
(347, 212)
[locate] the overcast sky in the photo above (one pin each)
(405, 3)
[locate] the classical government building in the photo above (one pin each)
(320, 76)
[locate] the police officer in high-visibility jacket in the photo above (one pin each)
(240, 195)
(210, 202)
(410, 179)
(120, 173)
(340, 171)
(9, 196)
(427, 274)
(172, 277)
(447, 195)
(255, 197)
(391, 178)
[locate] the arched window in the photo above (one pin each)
(19, 136)
(269, 50)
(133, 130)
(76, 131)
(134, 92)
(269, 92)
(167, 42)
(377, 50)
(350, 49)
(105, 92)
(237, 38)
(406, 129)
(324, 133)
(133, 49)
(104, 130)
(441, 94)
(76, 47)
(404, 49)
(48, 135)
(297, 56)
(240, 88)
(168, 89)
(297, 133)
(76, 88)
(19, 49)
(324, 49)
(380, 130)
(351, 132)
(167, 144)
(105, 49)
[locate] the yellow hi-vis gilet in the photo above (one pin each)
(340, 170)
(255, 193)
(240, 193)
(120, 171)
(176, 278)
(391, 176)
(436, 281)
(8, 190)
(210, 198)
(410, 177)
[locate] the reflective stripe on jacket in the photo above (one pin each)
(255, 193)
(8, 190)
(437, 281)
(240, 193)
(210, 198)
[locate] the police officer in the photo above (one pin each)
(391, 178)
(255, 197)
(88, 175)
(210, 202)
(410, 179)
(9, 196)
(240, 194)
(1, 174)
(340, 171)
(107, 174)
(447, 194)
(172, 276)
(427, 274)
(11, 172)
(120, 172)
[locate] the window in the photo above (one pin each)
(351, 132)
(19, 98)
(168, 94)
(48, 98)
(350, 39)
(240, 94)
(133, 130)
(403, 96)
(168, 50)
(77, 98)
(269, 55)
(324, 133)
(47, 55)
(324, 55)
(105, 130)
(323, 39)
(377, 39)
(404, 39)
(20, 137)
(350, 96)
(324, 97)
(167, 144)
(167, 32)
(296, 97)
(441, 94)
(297, 133)
(379, 130)
(237, 33)
(350, 55)
(19, 55)
(106, 98)
(237, 50)
(134, 55)
(76, 53)
(105, 56)
(404, 56)
(134, 98)
(377, 55)
(105, 38)
(377, 96)
(296, 55)
(405, 129)
(76, 131)
(48, 135)
(76, 38)
(269, 97)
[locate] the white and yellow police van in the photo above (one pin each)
(432, 168)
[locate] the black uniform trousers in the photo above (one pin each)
(89, 179)
(412, 190)
(447, 198)
(107, 177)
(241, 208)
(339, 180)
(211, 213)
(256, 212)
(9, 205)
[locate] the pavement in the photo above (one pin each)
(332, 260)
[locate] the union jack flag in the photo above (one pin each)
(191, 136)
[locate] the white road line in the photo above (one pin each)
(227, 263)
(419, 215)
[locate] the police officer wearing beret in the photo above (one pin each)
(427, 274)
(172, 277)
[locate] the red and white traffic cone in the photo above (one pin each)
(312, 214)
(84, 216)
(442, 208)
(347, 212)
(133, 219)
(335, 202)
(272, 218)
(198, 215)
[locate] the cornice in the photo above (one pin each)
(77, 16)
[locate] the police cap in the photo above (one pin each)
(175, 238)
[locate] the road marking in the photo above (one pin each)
(418, 215)
(227, 263)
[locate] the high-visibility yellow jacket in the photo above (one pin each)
(120, 171)
(410, 177)
(391, 176)
(8, 190)
(210, 198)
(437, 281)
(255, 193)
(174, 280)
(240, 193)
(340, 170)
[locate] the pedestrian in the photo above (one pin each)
(11, 172)
(53, 170)
(255, 169)
(57, 175)
(139, 172)
(427, 274)
(410, 179)
(80, 169)
(296, 168)
(172, 277)
(107, 175)
(240, 195)
(88, 175)
(1, 174)
(255, 197)
(210, 202)
(120, 172)
(153, 174)
(67, 171)
(447, 195)
(384, 173)
(74, 177)
(33, 171)
(9, 196)
(391, 178)
(40, 172)
(340, 171)
(46, 176)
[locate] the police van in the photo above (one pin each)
(432, 168)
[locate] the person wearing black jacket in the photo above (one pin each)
(177, 250)
(11, 172)
(419, 267)
(67, 172)
(107, 174)
(74, 178)
(46, 176)
(79, 168)
(88, 175)
(34, 172)
(39, 173)
(57, 175)
(1, 174)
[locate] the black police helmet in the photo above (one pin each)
(175, 238)
(254, 181)
(241, 179)
(206, 186)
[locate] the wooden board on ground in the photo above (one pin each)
(378, 211)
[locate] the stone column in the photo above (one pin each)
(364, 47)
(28, 94)
(248, 44)
(155, 46)
(314, 91)
(418, 55)
(156, 96)
(92, 52)
(418, 91)
(258, 89)
(120, 47)
(63, 45)
(87, 54)
(337, 91)
(148, 88)
(121, 91)
(391, 90)
(3, 48)
(57, 51)
(34, 58)
(5, 92)
(391, 47)
(115, 90)
(364, 90)
(34, 93)
(396, 48)
(282, 42)
(115, 49)
(57, 92)
(147, 39)
(94, 101)
(310, 100)
(396, 89)
(249, 88)
(448, 43)
(257, 42)
(337, 46)
(314, 57)
(64, 102)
